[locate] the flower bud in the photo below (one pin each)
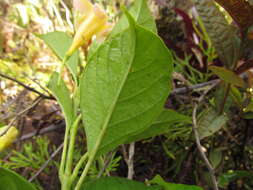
(93, 22)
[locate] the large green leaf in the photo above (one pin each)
(9, 180)
(116, 183)
(172, 186)
(228, 76)
(210, 123)
(124, 87)
(59, 42)
(162, 124)
(141, 14)
(62, 94)
(222, 34)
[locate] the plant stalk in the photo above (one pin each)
(90, 160)
(73, 132)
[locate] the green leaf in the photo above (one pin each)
(210, 123)
(62, 94)
(222, 34)
(142, 16)
(219, 95)
(215, 157)
(10, 180)
(230, 176)
(162, 124)
(124, 87)
(171, 186)
(59, 42)
(116, 183)
(228, 76)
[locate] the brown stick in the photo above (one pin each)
(27, 87)
(46, 163)
(197, 138)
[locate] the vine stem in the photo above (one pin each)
(67, 131)
(78, 166)
(64, 153)
(90, 160)
(73, 132)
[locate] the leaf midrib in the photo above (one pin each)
(110, 112)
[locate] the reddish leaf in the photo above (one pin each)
(240, 10)
(222, 34)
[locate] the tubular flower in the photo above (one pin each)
(92, 21)
(8, 138)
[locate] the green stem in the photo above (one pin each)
(90, 160)
(65, 59)
(73, 132)
(66, 136)
(64, 153)
(78, 166)
(66, 183)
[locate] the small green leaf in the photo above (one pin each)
(62, 94)
(162, 124)
(142, 16)
(215, 157)
(230, 176)
(219, 95)
(172, 186)
(228, 76)
(116, 183)
(59, 42)
(10, 180)
(210, 123)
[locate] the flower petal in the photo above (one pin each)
(93, 24)
(8, 138)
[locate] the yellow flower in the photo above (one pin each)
(92, 21)
(8, 138)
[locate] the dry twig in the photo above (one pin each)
(46, 163)
(197, 138)
(129, 159)
(27, 87)
(36, 102)
(48, 129)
